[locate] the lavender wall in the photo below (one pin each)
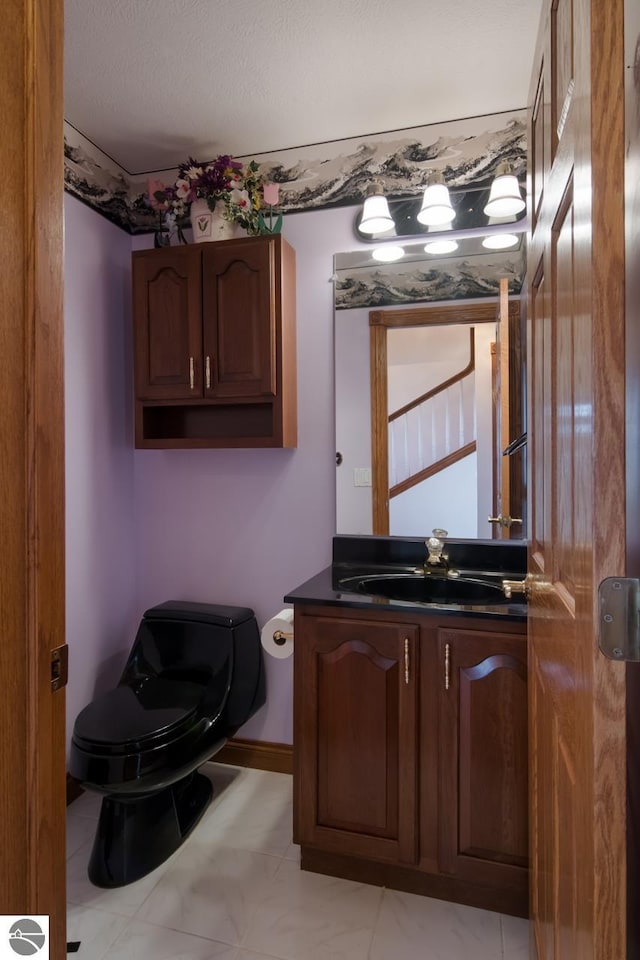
(246, 526)
(227, 526)
(100, 573)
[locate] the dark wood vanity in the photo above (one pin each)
(410, 740)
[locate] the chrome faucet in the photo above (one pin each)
(436, 559)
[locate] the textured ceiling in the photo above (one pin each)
(150, 81)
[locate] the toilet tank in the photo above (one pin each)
(207, 644)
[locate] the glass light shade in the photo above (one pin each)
(441, 246)
(388, 253)
(436, 206)
(500, 241)
(375, 215)
(505, 199)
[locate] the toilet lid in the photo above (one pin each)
(153, 709)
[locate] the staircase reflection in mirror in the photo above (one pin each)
(425, 397)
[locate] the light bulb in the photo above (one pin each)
(441, 246)
(388, 253)
(500, 241)
(436, 206)
(375, 212)
(505, 199)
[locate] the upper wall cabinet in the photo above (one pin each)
(214, 339)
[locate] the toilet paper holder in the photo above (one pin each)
(277, 634)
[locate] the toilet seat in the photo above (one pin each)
(148, 714)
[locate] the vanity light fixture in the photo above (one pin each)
(505, 199)
(441, 246)
(388, 253)
(436, 204)
(500, 241)
(375, 212)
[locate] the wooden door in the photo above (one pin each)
(32, 715)
(240, 297)
(482, 684)
(356, 738)
(167, 318)
(576, 323)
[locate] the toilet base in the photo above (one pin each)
(136, 834)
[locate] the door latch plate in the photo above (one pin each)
(619, 618)
(59, 667)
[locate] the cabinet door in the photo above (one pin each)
(356, 736)
(167, 314)
(483, 757)
(239, 300)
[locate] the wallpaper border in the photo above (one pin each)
(325, 175)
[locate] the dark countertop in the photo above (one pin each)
(322, 590)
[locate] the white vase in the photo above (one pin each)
(210, 224)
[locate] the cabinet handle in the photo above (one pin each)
(192, 373)
(207, 372)
(447, 666)
(406, 659)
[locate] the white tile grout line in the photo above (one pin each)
(250, 918)
(375, 922)
(502, 938)
(239, 947)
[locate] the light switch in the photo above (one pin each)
(362, 476)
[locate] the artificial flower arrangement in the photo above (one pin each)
(241, 190)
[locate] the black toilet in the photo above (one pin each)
(194, 675)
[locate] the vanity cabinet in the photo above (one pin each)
(410, 738)
(357, 745)
(482, 828)
(214, 344)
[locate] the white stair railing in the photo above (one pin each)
(433, 430)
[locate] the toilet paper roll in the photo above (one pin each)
(274, 644)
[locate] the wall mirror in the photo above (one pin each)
(430, 396)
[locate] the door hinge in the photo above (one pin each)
(59, 667)
(619, 619)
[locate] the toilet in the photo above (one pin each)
(194, 675)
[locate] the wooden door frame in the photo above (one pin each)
(380, 321)
(32, 769)
(632, 388)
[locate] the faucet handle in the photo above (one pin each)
(435, 545)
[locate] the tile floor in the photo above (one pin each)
(234, 891)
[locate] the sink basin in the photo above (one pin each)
(418, 588)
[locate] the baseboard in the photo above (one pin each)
(261, 755)
(74, 790)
